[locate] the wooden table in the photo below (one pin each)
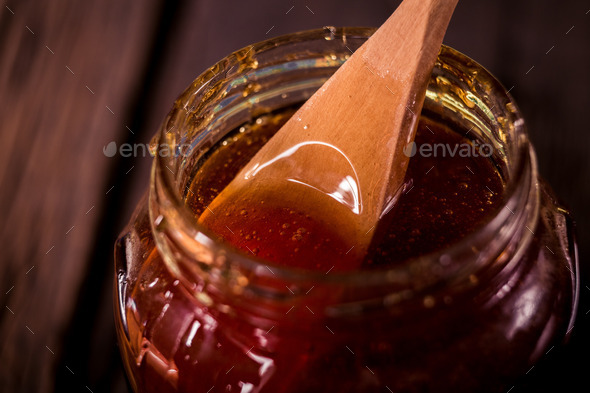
(75, 76)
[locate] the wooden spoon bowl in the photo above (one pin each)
(340, 158)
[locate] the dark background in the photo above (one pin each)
(76, 75)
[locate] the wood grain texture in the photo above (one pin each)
(68, 71)
(53, 129)
(378, 93)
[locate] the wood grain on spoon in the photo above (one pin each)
(340, 157)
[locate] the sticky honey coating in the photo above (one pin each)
(452, 188)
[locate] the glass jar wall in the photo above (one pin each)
(194, 315)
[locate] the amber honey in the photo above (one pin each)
(450, 191)
(493, 291)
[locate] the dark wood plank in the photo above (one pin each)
(68, 70)
(55, 123)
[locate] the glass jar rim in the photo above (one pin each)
(165, 190)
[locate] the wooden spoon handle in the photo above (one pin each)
(340, 157)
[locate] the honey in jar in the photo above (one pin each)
(470, 279)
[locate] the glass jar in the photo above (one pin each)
(193, 315)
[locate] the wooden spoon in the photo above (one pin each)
(340, 158)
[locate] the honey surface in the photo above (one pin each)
(448, 195)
